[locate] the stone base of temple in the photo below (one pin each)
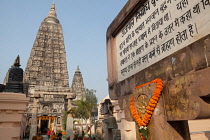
(12, 114)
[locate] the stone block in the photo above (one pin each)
(12, 107)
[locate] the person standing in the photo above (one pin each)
(48, 133)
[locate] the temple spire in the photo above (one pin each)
(78, 70)
(78, 85)
(46, 66)
(52, 11)
(53, 6)
(17, 62)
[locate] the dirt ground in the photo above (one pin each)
(200, 129)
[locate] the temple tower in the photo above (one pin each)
(77, 86)
(47, 66)
(47, 77)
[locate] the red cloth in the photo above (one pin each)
(48, 132)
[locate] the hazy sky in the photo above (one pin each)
(84, 24)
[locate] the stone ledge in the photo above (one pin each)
(10, 102)
(9, 132)
(11, 97)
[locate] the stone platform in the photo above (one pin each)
(12, 115)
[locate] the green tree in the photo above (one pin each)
(82, 110)
(84, 107)
(91, 98)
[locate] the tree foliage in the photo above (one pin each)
(91, 97)
(84, 107)
(82, 110)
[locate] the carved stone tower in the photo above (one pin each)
(47, 63)
(47, 76)
(78, 85)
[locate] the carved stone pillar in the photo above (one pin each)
(69, 125)
(33, 130)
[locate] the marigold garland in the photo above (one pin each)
(151, 105)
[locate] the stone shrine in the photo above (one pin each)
(13, 104)
(47, 77)
(167, 40)
(14, 79)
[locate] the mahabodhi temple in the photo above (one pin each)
(158, 55)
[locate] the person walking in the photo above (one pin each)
(48, 133)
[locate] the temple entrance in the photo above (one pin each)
(44, 126)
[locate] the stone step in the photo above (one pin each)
(200, 136)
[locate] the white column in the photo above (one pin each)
(49, 123)
(39, 123)
(55, 124)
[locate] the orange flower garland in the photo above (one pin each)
(151, 105)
